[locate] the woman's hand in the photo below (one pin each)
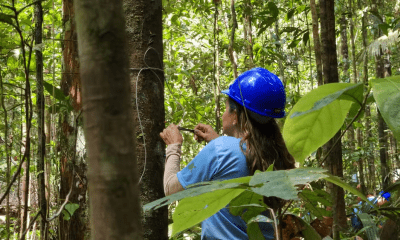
(171, 135)
(204, 132)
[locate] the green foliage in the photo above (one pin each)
(387, 95)
(69, 210)
(6, 18)
(312, 200)
(191, 211)
(244, 196)
(318, 116)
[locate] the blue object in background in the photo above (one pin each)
(355, 222)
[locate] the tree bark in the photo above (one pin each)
(40, 120)
(368, 135)
(383, 148)
(47, 163)
(145, 49)
(216, 72)
(74, 228)
(248, 36)
(114, 202)
(8, 157)
(24, 202)
(353, 45)
(382, 127)
(280, 62)
(231, 49)
(334, 160)
(317, 45)
(344, 49)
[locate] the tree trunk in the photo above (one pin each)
(114, 193)
(382, 127)
(383, 151)
(248, 37)
(40, 120)
(344, 49)
(280, 62)
(231, 49)
(47, 163)
(25, 195)
(368, 134)
(76, 227)
(317, 45)
(8, 157)
(353, 45)
(27, 156)
(334, 160)
(145, 49)
(216, 72)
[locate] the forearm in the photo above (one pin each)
(172, 167)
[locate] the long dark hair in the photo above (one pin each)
(264, 145)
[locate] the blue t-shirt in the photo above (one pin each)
(220, 159)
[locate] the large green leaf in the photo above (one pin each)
(197, 189)
(283, 183)
(247, 204)
(312, 199)
(318, 116)
(387, 96)
(6, 18)
(191, 211)
(58, 94)
(352, 92)
(390, 212)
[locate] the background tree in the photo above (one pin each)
(333, 148)
(40, 102)
(113, 177)
(145, 51)
(72, 167)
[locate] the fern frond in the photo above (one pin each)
(384, 43)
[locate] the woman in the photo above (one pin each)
(253, 142)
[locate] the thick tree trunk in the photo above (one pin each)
(108, 120)
(317, 45)
(40, 120)
(145, 49)
(334, 160)
(76, 227)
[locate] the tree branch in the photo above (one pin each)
(13, 179)
(9, 7)
(30, 225)
(65, 202)
(30, 4)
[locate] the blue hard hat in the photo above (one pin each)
(260, 91)
(385, 195)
